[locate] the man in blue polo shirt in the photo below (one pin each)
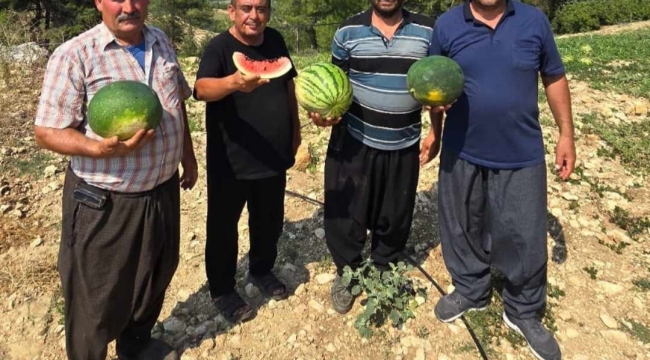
(492, 180)
(372, 164)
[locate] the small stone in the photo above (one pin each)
(4, 209)
(50, 171)
(420, 300)
(36, 242)
(300, 289)
(252, 291)
(610, 288)
(16, 213)
(273, 304)
(615, 336)
(303, 158)
(292, 339)
(322, 279)
(609, 321)
(174, 325)
(320, 233)
(419, 354)
(330, 348)
(572, 333)
(316, 306)
(557, 212)
(443, 357)
(638, 303)
(565, 315)
(570, 197)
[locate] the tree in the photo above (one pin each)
(67, 17)
(177, 17)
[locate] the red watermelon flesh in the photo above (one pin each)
(266, 69)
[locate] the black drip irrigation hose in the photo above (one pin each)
(410, 259)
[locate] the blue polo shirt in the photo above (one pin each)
(495, 122)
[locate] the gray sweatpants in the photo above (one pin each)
(494, 218)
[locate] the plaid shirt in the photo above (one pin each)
(79, 68)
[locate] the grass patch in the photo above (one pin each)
(302, 59)
(634, 226)
(628, 141)
(617, 248)
(592, 271)
(637, 330)
(642, 283)
(30, 165)
(595, 185)
(610, 62)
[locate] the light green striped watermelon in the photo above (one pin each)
(325, 89)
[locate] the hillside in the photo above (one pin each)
(599, 238)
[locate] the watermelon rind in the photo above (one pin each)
(122, 108)
(435, 80)
(324, 88)
(266, 69)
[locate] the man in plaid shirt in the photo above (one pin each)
(121, 199)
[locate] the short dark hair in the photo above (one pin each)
(234, 2)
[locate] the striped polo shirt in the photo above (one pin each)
(383, 114)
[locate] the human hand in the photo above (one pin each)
(430, 149)
(248, 83)
(113, 147)
(190, 171)
(319, 121)
(565, 156)
(437, 109)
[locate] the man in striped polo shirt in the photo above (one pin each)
(372, 166)
(121, 199)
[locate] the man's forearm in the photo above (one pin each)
(559, 100)
(66, 141)
(436, 124)
(214, 89)
(188, 147)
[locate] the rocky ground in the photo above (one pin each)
(598, 300)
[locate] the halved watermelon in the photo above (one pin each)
(266, 69)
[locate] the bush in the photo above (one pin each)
(580, 16)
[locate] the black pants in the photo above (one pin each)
(494, 218)
(115, 265)
(368, 189)
(226, 199)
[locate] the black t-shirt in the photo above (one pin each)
(249, 135)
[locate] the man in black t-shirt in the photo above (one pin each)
(253, 132)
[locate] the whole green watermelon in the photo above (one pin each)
(435, 80)
(325, 89)
(121, 108)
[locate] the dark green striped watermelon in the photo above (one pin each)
(121, 108)
(325, 89)
(435, 80)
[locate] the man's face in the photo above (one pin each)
(387, 8)
(250, 17)
(125, 18)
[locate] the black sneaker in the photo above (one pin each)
(342, 298)
(540, 341)
(452, 306)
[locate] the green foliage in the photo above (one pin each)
(634, 226)
(177, 18)
(391, 295)
(585, 15)
(642, 283)
(592, 271)
(637, 330)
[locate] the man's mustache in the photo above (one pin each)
(131, 16)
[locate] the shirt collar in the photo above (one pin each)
(366, 17)
(107, 37)
(510, 9)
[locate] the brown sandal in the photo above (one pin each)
(233, 307)
(269, 285)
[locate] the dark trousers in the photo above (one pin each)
(497, 218)
(115, 265)
(368, 189)
(226, 199)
